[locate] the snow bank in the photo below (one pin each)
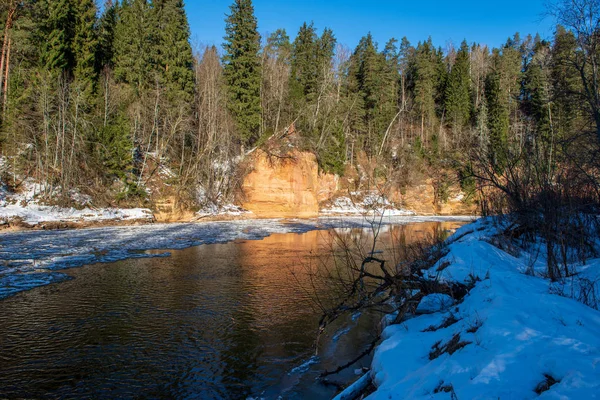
(23, 254)
(227, 209)
(359, 204)
(25, 206)
(512, 336)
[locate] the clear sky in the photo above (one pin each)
(483, 21)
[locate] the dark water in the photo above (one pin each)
(234, 320)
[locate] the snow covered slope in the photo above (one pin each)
(511, 337)
(25, 206)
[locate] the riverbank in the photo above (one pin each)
(515, 335)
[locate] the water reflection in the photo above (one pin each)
(214, 321)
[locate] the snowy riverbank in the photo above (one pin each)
(511, 337)
(25, 209)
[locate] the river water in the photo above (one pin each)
(235, 320)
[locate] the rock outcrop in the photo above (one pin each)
(422, 200)
(291, 186)
(280, 187)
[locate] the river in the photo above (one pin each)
(232, 320)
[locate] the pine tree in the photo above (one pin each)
(242, 69)
(458, 90)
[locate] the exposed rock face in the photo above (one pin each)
(282, 187)
(329, 184)
(291, 186)
(422, 200)
(166, 210)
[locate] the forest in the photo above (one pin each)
(96, 97)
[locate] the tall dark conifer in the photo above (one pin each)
(134, 47)
(85, 45)
(56, 52)
(242, 69)
(174, 53)
(457, 98)
(303, 74)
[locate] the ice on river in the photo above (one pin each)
(30, 259)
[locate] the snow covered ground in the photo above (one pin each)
(25, 206)
(30, 259)
(363, 204)
(512, 337)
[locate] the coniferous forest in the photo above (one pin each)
(94, 97)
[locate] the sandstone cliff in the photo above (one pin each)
(291, 186)
(283, 186)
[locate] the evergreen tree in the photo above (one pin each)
(424, 84)
(59, 23)
(325, 48)
(303, 74)
(498, 119)
(457, 98)
(536, 91)
(106, 35)
(242, 69)
(133, 44)
(566, 82)
(85, 46)
(174, 53)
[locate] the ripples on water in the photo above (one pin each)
(213, 321)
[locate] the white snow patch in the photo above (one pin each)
(226, 209)
(516, 332)
(359, 204)
(434, 303)
(26, 205)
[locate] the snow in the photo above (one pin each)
(433, 303)
(226, 209)
(26, 206)
(44, 252)
(514, 332)
(359, 204)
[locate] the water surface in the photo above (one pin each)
(232, 320)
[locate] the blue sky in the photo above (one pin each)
(483, 21)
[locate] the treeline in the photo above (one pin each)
(90, 96)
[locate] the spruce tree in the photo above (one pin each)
(303, 78)
(498, 120)
(85, 46)
(59, 23)
(174, 53)
(424, 85)
(106, 35)
(242, 70)
(566, 82)
(133, 44)
(536, 91)
(458, 90)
